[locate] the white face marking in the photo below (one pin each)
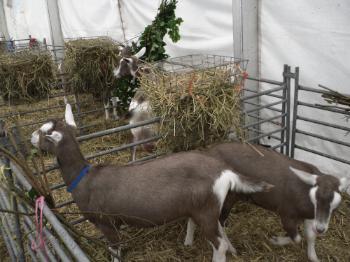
(128, 59)
(333, 205)
(133, 105)
(114, 100)
(55, 137)
(46, 127)
(35, 138)
(116, 71)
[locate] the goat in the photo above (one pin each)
(140, 108)
(182, 185)
(301, 193)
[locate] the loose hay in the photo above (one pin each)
(26, 75)
(197, 108)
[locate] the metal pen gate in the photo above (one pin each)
(283, 137)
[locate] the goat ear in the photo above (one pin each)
(68, 115)
(344, 184)
(55, 137)
(141, 52)
(306, 177)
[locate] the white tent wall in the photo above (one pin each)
(90, 18)
(26, 18)
(314, 35)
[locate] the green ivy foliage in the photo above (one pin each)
(164, 23)
(152, 38)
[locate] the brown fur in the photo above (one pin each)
(290, 196)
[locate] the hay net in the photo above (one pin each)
(197, 97)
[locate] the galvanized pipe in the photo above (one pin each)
(286, 83)
(330, 109)
(262, 93)
(322, 154)
(55, 244)
(265, 106)
(264, 80)
(70, 243)
(322, 137)
(117, 129)
(264, 121)
(261, 132)
(266, 134)
(347, 129)
(268, 108)
(289, 111)
(272, 122)
(40, 254)
(257, 92)
(7, 242)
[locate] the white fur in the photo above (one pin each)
(55, 136)
(133, 105)
(68, 115)
(229, 180)
(116, 254)
(225, 182)
(230, 247)
(116, 71)
(219, 255)
(35, 138)
(282, 241)
(115, 101)
(106, 110)
(46, 127)
(333, 205)
(191, 226)
(305, 176)
(310, 238)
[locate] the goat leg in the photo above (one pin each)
(291, 227)
(311, 239)
(106, 106)
(191, 227)
(230, 200)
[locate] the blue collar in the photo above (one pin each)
(76, 181)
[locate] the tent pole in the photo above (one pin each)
(56, 29)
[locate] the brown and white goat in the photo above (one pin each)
(184, 185)
(302, 193)
(140, 108)
(128, 65)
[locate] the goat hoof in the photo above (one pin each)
(233, 251)
(188, 242)
(314, 259)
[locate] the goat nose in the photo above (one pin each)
(320, 229)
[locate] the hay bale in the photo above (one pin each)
(90, 62)
(26, 75)
(197, 107)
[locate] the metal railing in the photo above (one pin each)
(299, 117)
